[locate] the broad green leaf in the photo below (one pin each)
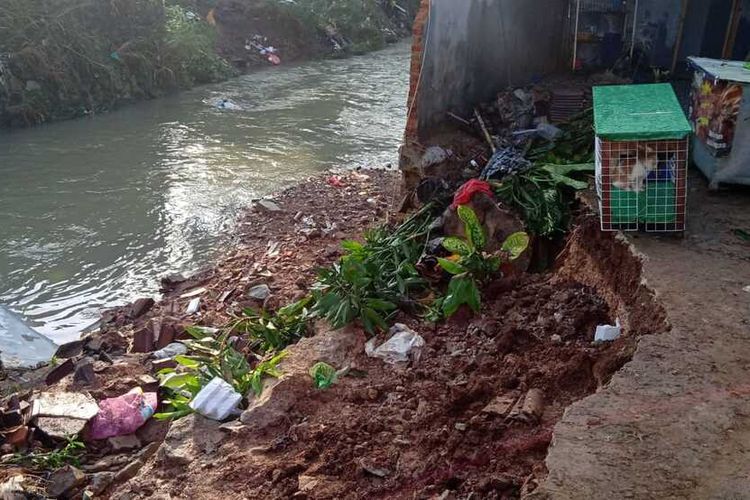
(380, 305)
(187, 361)
(516, 244)
(456, 246)
(472, 296)
(451, 267)
(179, 380)
(473, 228)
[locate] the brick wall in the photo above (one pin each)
(417, 52)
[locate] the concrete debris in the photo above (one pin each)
(403, 345)
(259, 292)
(73, 405)
(502, 405)
(140, 307)
(70, 350)
(60, 372)
(100, 481)
(124, 443)
(84, 373)
(64, 480)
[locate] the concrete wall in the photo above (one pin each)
(473, 48)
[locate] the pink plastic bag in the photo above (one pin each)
(124, 414)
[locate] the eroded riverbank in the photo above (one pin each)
(94, 211)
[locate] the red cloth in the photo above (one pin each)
(466, 192)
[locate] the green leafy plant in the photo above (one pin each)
(211, 357)
(273, 332)
(470, 265)
(70, 454)
(374, 279)
(323, 375)
(540, 195)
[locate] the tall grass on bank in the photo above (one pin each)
(66, 58)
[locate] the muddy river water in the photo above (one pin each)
(94, 211)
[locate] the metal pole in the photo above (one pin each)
(575, 35)
(635, 25)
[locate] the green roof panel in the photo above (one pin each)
(639, 112)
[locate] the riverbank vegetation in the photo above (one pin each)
(63, 59)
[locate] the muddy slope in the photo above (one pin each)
(449, 424)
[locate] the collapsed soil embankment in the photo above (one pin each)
(454, 423)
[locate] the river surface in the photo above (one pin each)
(94, 211)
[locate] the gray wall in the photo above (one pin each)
(474, 48)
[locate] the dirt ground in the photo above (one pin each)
(447, 426)
(675, 422)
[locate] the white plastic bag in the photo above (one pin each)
(217, 400)
(403, 342)
(608, 333)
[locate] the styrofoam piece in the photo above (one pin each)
(608, 333)
(217, 400)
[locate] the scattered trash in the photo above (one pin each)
(172, 350)
(505, 162)
(403, 342)
(20, 346)
(742, 234)
(217, 400)
(466, 192)
(746, 289)
(268, 206)
(227, 104)
(607, 333)
(193, 293)
(124, 414)
(259, 292)
(543, 130)
(323, 375)
(530, 408)
(274, 249)
(375, 471)
(193, 306)
(501, 405)
(435, 155)
(335, 181)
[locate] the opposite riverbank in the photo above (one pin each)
(62, 60)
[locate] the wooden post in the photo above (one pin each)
(732, 26)
(680, 32)
(635, 26)
(575, 34)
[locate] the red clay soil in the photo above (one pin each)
(423, 430)
(435, 428)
